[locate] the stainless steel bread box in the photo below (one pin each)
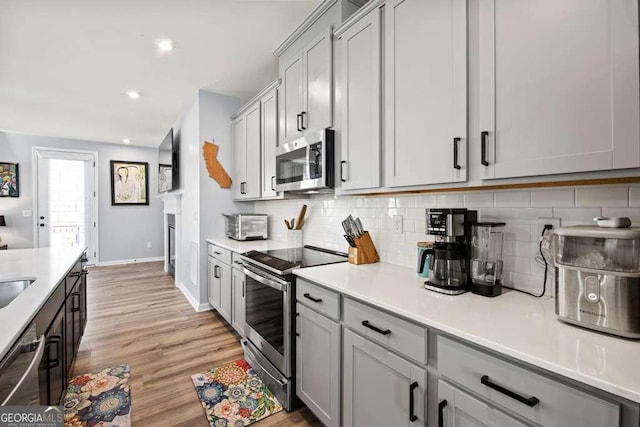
(246, 226)
(598, 278)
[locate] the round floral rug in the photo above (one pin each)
(233, 395)
(100, 399)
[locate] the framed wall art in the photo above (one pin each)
(129, 183)
(9, 180)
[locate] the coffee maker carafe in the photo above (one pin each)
(449, 266)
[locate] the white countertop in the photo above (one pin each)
(514, 324)
(249, 245)
(48, 266)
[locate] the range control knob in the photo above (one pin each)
(592, 288)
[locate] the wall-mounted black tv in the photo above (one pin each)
(169, 163)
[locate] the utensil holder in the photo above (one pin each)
(365, 251)
(294, 238)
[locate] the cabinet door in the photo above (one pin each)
(360, 70)
(238, 131)
(224, 271)
(318, 364)
(238, 313)
(269, 142)
(458, 409)
(69, 322)
(380, 386)
(83, 301)
(558, 86)
(426, 91)
(252, 153)
(291, 101)
(53, 365)
(317, 85)
(213, 283)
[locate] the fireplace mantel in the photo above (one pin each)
(172, 202)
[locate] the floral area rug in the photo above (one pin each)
(101, 399)
(233, 395)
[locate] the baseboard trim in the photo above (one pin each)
(130, 261)
(196, 306)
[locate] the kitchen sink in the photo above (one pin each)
(10, 289)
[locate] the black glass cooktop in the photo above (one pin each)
(285, 260)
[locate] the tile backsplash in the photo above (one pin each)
(519, 209)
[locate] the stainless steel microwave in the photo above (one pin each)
(306, 163)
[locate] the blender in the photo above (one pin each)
(486, 258)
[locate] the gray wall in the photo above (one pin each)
(123, 230)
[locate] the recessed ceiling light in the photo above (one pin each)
(126, 140)
(164, 45)
(133, 94)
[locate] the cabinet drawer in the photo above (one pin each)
(398, 334)
(236, 262)
(222, 255)
(529, 394)
(318, 298)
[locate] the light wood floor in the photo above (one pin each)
(137, 316)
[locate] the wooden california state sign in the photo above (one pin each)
(215, 169)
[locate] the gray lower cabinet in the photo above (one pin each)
(238, 313)
(213, 283)
(224, 273)
(459, 409)
(318, 364)
(380, 388)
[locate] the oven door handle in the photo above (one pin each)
(255, 360)
(258, 278)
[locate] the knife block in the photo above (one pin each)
(365, 251)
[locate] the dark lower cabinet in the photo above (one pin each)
(52, 371)
(73, 325)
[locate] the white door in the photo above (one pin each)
(291, 105)
(380, 389)
(559, 86)
(360, 104)
(252, 185)
(269, 142)
(239, 163)
(459, 409)
(317, 83)
(66, 214)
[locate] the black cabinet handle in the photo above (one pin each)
(273, 185)
(41, 225)
(455, 153)
(343, 163)
(529, 401)
(75, 308)
(54, 340)
(483, 149)
(366, 324)
(441, 407)
(298, 117)
(304, 113)
(412, 416)
(242, 188)
(84, 259)
(243, 282)
(75, 274)
(308, 296)
(216, 268)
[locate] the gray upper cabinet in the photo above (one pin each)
(558, 86)
(269, 142)
(246, 154)
(360, 103)
(318, 364)
(307, 88)
(379, 387)
(459, 409)
(426, 92)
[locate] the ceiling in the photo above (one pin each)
(66, 65)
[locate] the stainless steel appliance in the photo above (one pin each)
(306, 163)
(246, 226)
(270, 313)
(486, 259)
(449, 267)
(19, 370)
(598, 278)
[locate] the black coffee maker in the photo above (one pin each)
(450, 256)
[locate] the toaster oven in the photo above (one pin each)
(598, 278)
(246, 226)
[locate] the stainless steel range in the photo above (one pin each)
(270, 299)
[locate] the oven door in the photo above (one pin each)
(268, 316)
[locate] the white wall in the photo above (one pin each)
(123, 230)
(519, 209)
